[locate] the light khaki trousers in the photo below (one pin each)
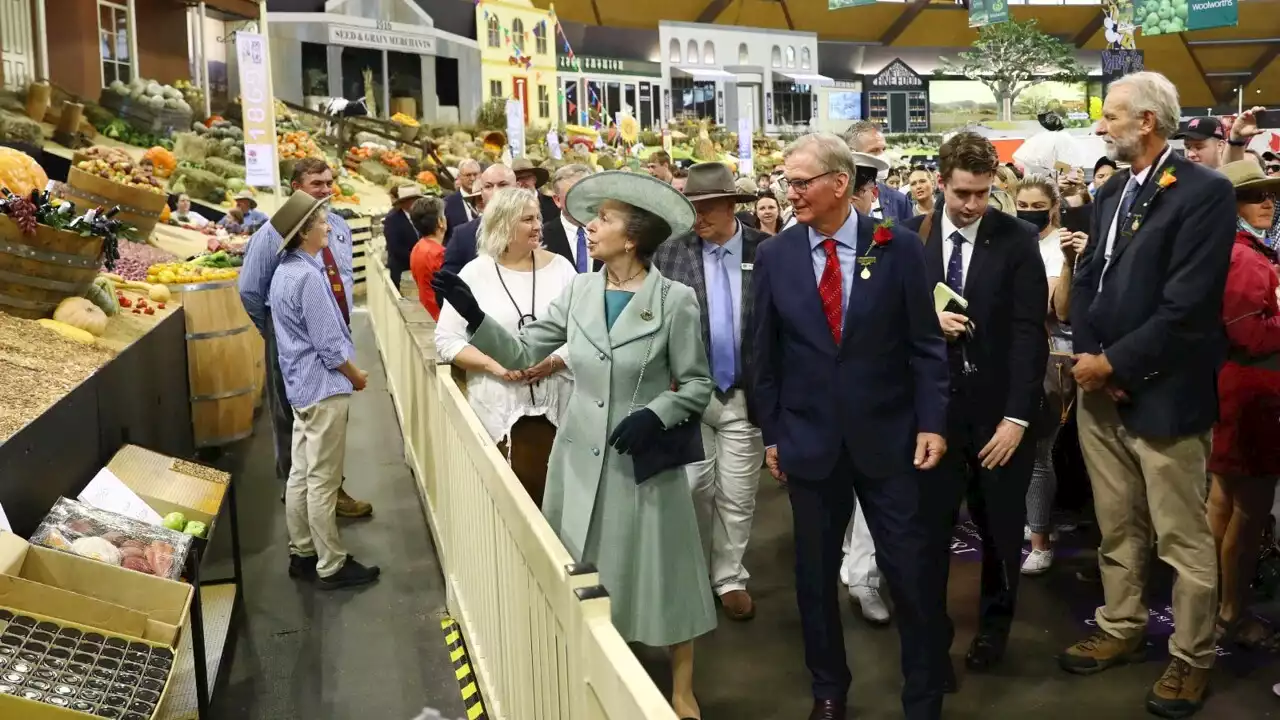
(311, 494)
(1144, 489)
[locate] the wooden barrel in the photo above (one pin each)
(138, 207)
(39, 271)
(222, 344)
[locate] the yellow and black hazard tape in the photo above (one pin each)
(471, 699)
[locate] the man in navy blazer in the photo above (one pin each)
(458, 210)
(851, 396)
(461, 248)
(865, 137)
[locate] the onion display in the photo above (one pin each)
(135, 258)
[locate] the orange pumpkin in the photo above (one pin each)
(163, 161)
(20, 173)
(164, 214)
(428, 178)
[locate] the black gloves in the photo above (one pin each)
(454, 290)
(637, 432)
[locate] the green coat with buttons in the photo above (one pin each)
(642, 538)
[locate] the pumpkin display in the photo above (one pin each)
(103, 294)
(81, 314)
(20, 173)
(163, 162)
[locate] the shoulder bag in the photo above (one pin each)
(675, 447)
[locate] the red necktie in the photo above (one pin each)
(830, 290)
(340, 291)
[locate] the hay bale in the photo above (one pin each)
(375, 172)
(200, 184)
(224, 168)
(191, 147)
(19, 128)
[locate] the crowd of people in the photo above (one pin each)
(890, 346)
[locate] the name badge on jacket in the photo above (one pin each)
(748, 267)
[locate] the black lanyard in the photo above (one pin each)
(533, 303)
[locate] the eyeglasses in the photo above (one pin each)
(1255, 198)
(801, 186)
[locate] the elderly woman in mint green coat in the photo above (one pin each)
(643, 537)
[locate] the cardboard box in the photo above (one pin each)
(123, 601)
(162, 485)
(22, 596)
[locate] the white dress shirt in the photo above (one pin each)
(571, 234)
(1140, 179)
(970, 234)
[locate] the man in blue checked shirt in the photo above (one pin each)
(250, 217)
(313, 177)
(317, 362)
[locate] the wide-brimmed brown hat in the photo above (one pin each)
(521, 165)
(247, 195)
(1246, 175)
(712, 181)
(289, 218)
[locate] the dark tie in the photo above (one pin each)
(1126, 201)
(831, 290)
(581, 256)
(955, 264)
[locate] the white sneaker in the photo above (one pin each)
(871, 603)
(1038, 562)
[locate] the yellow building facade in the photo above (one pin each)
(518, 45)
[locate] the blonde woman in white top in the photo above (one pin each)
(514, 280)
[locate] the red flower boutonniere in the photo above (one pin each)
(1167, 178)
(880, 238)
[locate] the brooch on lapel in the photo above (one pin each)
(645, 315)
(881, 237)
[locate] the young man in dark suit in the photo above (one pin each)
(461, 248)
(1146, 319)
(562, 234)
(716, 260)
(850, 391)
(997, 348)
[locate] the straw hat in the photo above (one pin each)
(713, 180)
(1246, 175)
(247, 195)
(406, 192)
(522, 165)
(289, 218)
(638, 190)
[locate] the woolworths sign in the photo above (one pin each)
(1162, 17)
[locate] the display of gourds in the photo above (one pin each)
(103, 294)
(20, 173)
(69, 332)
(82, 314)
(152, 94)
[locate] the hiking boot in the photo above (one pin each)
(1180, 692)
(303, 567)
(350, 574)
(349, 507)
(1100, 651)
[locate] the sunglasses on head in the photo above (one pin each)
(1255, 197)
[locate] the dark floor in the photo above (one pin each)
(372, 653)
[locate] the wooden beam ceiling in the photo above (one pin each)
(1088, 31)
(907, 17)
(713, 10)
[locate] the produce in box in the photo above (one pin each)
(125, 173)
(80, 529)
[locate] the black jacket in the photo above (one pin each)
(1158, 314)
(401, 236)
(461, 248)
(455, 214)
(555, 240)
(1008, 296)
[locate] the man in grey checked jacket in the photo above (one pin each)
(716, 261)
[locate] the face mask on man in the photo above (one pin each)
(1039, 218)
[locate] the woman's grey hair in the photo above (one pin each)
(501, 216)
(1152, 92)
(573, 171)
(832, 152)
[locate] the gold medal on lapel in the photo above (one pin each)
(866, 273)
(645, 315)
(1137, 223)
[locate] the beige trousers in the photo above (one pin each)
(311, 494)
(1144, 489)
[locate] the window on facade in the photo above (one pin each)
(495, 88)
(743, 55)
(517, 35)
(791, 57)
(693, 99)
(675, 52)
(792, 104)
(775, 58)
(113, 42)
(708, 53)
(540, 38)
(691, 55)
(805, 60)
(544, 102)
(495, 36)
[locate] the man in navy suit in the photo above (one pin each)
(865, 137)
(461, 248)
(458, 210)
(851, 396)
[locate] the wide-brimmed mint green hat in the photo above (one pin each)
(643, 191)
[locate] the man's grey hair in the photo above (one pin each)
(1152, 92)
(501, 216)
(854, 134)
(572, 172)
(468, 162)
(831, 151)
